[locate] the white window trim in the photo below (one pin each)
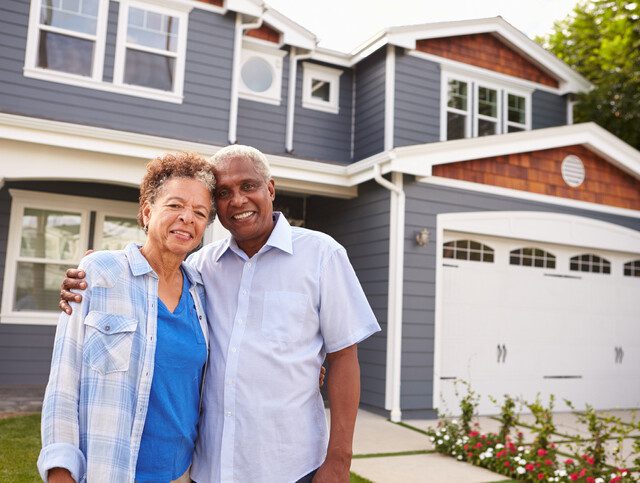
(475, 111)
(273, 56)
(473, 82)
(33, 37)
(96, 82)
(180, 55)
(327, 74)
(21, 199)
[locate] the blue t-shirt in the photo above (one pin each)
(169, 434)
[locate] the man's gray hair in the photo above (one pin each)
(259, 160)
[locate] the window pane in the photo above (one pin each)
(516, 109)
(152, 29)
(117, 232)
(456, 125)
(320, 89)
(76, 15)
(50, 234)
(65, 53)
(486, 128)
(257, 74)
(487, 102)
(514, 129)
(38, 286)
(457, 97)
(149, 70)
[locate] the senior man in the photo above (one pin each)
(279, 298)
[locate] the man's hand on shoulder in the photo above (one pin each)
(74, 280)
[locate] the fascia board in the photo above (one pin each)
(332, 57)
(247, 7)
(292, 33)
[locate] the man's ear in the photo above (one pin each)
(271, 186)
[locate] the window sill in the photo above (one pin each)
(317, 106)
(89, 83)
(30, 318)
(259, 98)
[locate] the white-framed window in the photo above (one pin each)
(321, 87)
(468, 250)
(66, 39)
(632, 268)
(532, 257)
(66, 44)
(474, 107)
(49, 233)
(589, 262)
(150, 48)
(260, 72)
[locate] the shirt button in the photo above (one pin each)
(107, 328)
(248, 264)
(233, 349)
(244, 292)
(228, 414)
(230, 382)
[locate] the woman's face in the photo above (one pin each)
(178, 217)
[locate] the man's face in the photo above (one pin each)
(245, 203)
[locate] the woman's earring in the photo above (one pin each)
(145, 229)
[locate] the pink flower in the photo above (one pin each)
(478, 445)
(548, 462)
(541, 476)
(542, 452)
(573, 476)
(569, 462)
(473, 434)
(506, 463)
(590, 479)
(529, 467)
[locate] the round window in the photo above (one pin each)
(572, 170)
(257, 74)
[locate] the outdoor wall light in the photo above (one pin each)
(422, 237)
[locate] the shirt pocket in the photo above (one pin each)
(283, 315)
(108, 341)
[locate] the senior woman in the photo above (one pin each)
(122, 401)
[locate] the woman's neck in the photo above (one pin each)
(165, 264)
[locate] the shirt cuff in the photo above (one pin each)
(355, 338)
(62, 455)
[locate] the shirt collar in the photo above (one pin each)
(280, 238)
(140, 266)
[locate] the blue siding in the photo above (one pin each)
(323, 135)
(202, 117)
(25, 350)
(263, 125)
(369, 121)
(424, 203)
(548, 110)
(361, 225)
(417, 101)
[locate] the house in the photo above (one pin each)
(498, 242)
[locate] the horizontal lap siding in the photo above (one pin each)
(424, 202)
(361, 225)
(25, 350)
(548, 110)
(202, 117)
(263, 125)
(321, 135)
(369, 115)
(417, 101)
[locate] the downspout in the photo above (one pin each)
(294, 57)
(235, 73)
(396, 276)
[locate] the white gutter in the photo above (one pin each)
(291, 95)
(396, 275)
(389, 97)
(235, 73)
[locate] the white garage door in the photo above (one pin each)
(526, 318)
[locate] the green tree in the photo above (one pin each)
(600, 39)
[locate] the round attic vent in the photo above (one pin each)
(572, 171)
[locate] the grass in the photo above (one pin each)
(20, 446)
(19, 449)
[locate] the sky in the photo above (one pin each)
(345, 24)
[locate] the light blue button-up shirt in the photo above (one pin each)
(96, 401)
(273, 317)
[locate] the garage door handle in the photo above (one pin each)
(621, 355)
(499, 353)
(504, 352)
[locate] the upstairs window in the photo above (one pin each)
(321, 88)
(532, 257)
(261, 72)
(473, 108)
(632, 269)
(150, 51)
(588, 262)
(468, 250)
(67, 37)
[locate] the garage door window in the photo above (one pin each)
(632, 269)
(468, 250)
(588, 262)
(532, 257)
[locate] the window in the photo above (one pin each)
(532, 257)
(151, 46)
(589, 262)
(321, 88)
(49, 233)
(67, 38)
(632, 269)
(260, 72)
(467, 250)
(473, 108)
